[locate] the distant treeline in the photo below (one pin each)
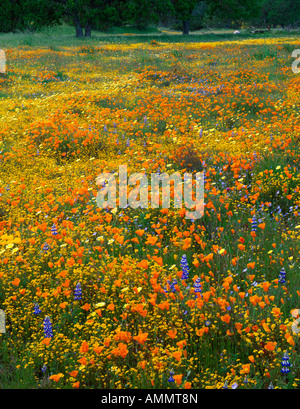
(88, 15)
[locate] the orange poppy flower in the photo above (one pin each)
(84, 347)
(177, 355)
(187, 385)
(107, 342)
(141, 338)
(270, 346)
(56, 377)
(251, 265)
(82, 361)
(245, 369)
(142, 364)
(98, 349)
(226, 318)
(172, 333)
(143, 264)
(178, 379)
(16, 282)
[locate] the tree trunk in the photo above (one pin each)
(186, 27)
(79, 32)
(88, 29)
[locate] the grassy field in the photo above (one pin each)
(64, 35)
(97, 298)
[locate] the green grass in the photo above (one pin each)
(64, 35)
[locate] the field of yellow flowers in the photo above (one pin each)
(145, 298)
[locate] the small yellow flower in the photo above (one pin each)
(100, 304)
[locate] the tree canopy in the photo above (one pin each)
(28, 14)
(87, 15)
(279, 12)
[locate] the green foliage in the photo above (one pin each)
(85, 15)
(141, 13)
(236, 11)
(138, 13)
(183, 8)
(100, 13)
(28, 14)
(278, 12)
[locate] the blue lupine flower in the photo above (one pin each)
(36, 309)
(198, 287)
(184, 267)
(47, 327)
(46, 247)
(78, 292)
(285, 364)
(282, 276)
(171, 379)
(254, 224)
(271, 386)
(233, 386)
(172, 286)
(54, 230)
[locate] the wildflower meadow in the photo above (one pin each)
(143, 297)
